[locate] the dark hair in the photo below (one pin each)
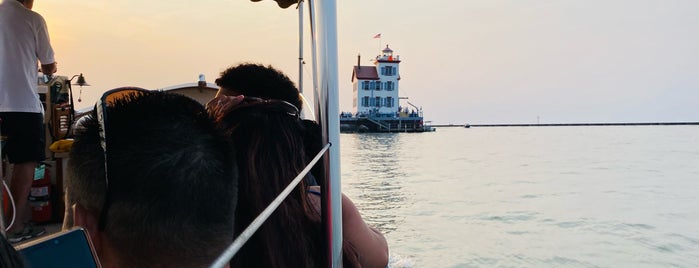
(270, 153)
(172, 180)
(256, 80)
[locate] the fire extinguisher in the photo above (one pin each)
(40, 195)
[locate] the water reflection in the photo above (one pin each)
(371, 173)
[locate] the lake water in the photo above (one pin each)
(530, 196)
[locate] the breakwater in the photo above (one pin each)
(570, 124)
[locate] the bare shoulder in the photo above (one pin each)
(370, 244)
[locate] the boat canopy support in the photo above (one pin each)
(327, 107)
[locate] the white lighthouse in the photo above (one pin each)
(376, 87)
(375, 101)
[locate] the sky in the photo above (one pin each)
(463, 62)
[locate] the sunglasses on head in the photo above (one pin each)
(108, 100)
(272, 104)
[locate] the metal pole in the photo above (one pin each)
(328, 116)
(314, 54)
(2, 189)
(300, 7)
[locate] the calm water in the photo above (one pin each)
(530, 197)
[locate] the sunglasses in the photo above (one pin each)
(108, 100)
(271, 104)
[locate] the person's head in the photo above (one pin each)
(170, 191)
(283, 3)
(266, 82)
(270, 154)
(27, 3)
(260, 81)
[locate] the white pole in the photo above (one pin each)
(300, 7)
(328, 115)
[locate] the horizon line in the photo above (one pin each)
(568, 124)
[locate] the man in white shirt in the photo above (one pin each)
(24, 41)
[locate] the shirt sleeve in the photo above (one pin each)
(44, 51)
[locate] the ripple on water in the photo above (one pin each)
(690, 240)
(511, 217)
(398, 261)
(570, 224)
(639, 226)
(557, 261)
(518, 232)
(669, 248)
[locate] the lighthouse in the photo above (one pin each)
(375, 87)
(375, 99)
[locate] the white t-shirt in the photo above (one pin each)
(24, 41)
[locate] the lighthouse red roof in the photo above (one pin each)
(365, 73)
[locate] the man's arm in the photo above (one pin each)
(49, 69)
(44, 51)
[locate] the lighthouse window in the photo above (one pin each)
(388, 70)
(365, 85)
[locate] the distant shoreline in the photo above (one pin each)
(571, 124)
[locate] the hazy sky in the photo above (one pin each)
(477, 61)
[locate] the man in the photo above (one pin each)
(169, 194)
(24, 41)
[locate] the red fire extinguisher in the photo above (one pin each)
(40, 195)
